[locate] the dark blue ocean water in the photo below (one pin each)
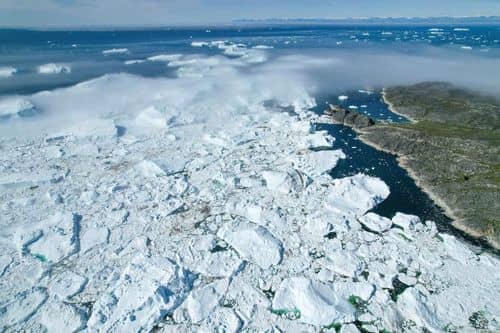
(25, 50)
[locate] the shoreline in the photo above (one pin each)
(403, 163)
(391, 107)
(469, 235)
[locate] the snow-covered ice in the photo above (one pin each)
(53, 68)
(7, 71)
(188, 204)
(115, 51)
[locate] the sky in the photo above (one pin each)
(30, 13)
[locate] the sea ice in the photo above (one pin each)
(7, 72)
(53, 68)
(59, 239)
(405, 221)
(316, 302)
(148, 289)
(219, 264)
(354, 196)
(200, 303)
(115, 51)
(67, 284)
(21, 307)
(375, 223)
(58, 316)
(165, 57)
(134, 61)
(253, 242)
(16, 106)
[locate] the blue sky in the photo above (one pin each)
(168, 12)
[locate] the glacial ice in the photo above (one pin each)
(375, 223)
(7, 72)
(258, 235)
(148, 289)
(165, 57)
(16, 106)
(115, 51)
(52, 68)
(317, 303)
(356, 195)
(253, 242)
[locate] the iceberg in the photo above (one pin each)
(7, 71)
(115, 51)
(53, 68)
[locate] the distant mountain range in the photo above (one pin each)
(475, 20)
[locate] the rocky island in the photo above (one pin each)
(450, 147)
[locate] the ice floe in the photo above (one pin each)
(53, 68)
(7, 71)
(148, 289)
(188, 204)
(115, 51)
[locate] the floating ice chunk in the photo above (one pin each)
(7, 71)
(456, 249)
(172, 165)
(149, 169)
(219, 264)
(67, 284)
(96, 128)
(415, 306)
(349, 328)
(375, 223)
(58, 316)
(253, 242)
(165, 57)
(202, 302)
(285, 182)
(317, 140)
(27, 179)
(461, 29)
(21, 307)
(354, 196)
(148, 289)
(406, 222)
(16, 106)
(60, 238)
(225, 320)
(318, 303)
(199, 44)
(354, 107)
(93, 237)
(343, 98)
(263, 47)
(318, 162)
(322, 223)
(342, 262)
(464, 47)
(53, 68)
(134, 61)
(115, 51)
(86, 149)
(151, 119)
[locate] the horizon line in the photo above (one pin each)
(244, 21)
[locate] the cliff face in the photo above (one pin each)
(452, 149)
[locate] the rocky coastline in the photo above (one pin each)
(442, 164)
